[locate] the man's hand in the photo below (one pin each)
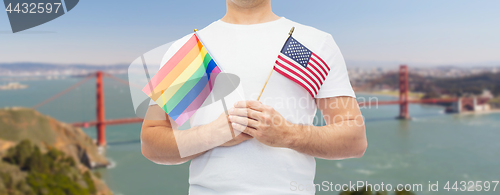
(237, 140)
(263, 123)
(161, 139)
(345, 125)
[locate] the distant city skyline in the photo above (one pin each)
(369, 33)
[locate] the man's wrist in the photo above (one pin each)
(295, 136)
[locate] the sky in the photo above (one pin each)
(368, 32)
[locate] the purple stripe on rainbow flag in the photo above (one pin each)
(189, 97)
(193, 107)
(193, 95)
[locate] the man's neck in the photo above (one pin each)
(254, 15)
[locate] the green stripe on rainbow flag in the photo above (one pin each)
(184, 82)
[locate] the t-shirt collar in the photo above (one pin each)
(250, 26)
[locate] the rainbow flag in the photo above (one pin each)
(181, 86)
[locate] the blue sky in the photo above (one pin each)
(369, 32)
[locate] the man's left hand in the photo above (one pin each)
(263, 123)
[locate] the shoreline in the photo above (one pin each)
(374, 93)
(493, 111)
(390, 94)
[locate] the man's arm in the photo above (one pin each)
(343, 137)
(159, 143)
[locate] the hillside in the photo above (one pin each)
(40, 155)
(434, 87)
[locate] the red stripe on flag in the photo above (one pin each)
(316, 69)
(324, 63)
(297, 75)
(294, 80)
(320, 66)
(308, 75)
(321, 72)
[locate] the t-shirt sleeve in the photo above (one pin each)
(337, 82)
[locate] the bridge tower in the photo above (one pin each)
(403, 92)
(101, 126)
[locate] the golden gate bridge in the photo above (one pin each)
(101, 122)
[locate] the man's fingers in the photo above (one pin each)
(243, 121)
(238, 112)
(255, 105)
(244, 112)
(244, 129)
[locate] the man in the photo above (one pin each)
(275, 153)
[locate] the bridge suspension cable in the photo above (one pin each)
(63, 92)
(121, 80)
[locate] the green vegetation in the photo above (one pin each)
(18, 124)
(435, 87)
(495, 102)
(472, 84)
(11, 186)
(46, 173)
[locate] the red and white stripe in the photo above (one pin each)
(310, 78)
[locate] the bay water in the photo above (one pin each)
(431, 147)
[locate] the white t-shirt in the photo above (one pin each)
(249, 51)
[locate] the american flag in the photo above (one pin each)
(302, 66)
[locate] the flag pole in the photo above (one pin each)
(213, 99)
(224, 106)
(223, 101)
(272, 70)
